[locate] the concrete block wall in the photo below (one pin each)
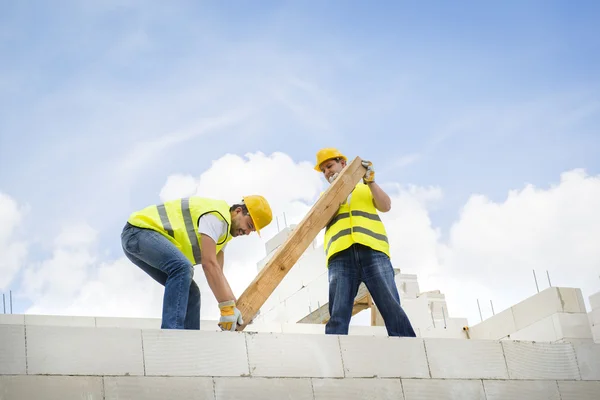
(74, 362)
(553, 314)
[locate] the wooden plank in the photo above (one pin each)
(300, 238)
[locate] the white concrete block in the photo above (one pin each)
(59, 350)
(431, 332)
(527, 360)
(596, 333)
(209, 325)
(136, 323)
(318, 292)
(357, 389)
(253, 388)
(594, 317)
(296, 306)
(417, 311)
(12, 319)
(594, 300)
(158, 388)
(574, 326)
(364, 330)
(277, 240)
(289, 355)
(29, 387)
(465, 359)
(59, 320)
(578, 390)
(521, 390)
(12, 350)
(303, 328)
(194, 353)
(269, 327)
(540, 331)
(442, 389)
(537, 307)
(379, 357)
(588, 358)
(571, 300)
(495, 327)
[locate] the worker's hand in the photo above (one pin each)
(333, 177)
(370, 174)
(231, 317)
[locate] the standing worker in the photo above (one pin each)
(357, 250)
(167, 240)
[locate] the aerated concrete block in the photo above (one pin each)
(158, 388)
(495, 327)
(12, 350)
(528, 360)
(588, 359)
(252, 388)
(594, 301)
(521, 390)
(364, 330)
(290, 355)
(357, 389)
(28, 387)
(318, 329)
(12, 319)
(135, 323)
(536, 307)
(442, 389)
(578, 390)
(194, 353)
(59, 350)
(59, 320)
(572, 326)
(382, 357)
(465, 359)
(594, 317)
(539, 331)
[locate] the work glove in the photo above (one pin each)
(333, 177)
(370, 174)
(231, 317)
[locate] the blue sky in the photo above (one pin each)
(101, 103)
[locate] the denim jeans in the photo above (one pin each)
(350, 267)
(163, 261)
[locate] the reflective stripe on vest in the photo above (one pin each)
(357, 221)
(360, 229)
(191, 232)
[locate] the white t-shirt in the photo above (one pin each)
(212, 226)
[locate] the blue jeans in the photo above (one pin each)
(350, 267)
(160, 259)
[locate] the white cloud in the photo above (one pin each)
(12, 250)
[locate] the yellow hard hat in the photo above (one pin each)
(259, 210)
(328, 154)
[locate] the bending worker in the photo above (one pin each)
(357, 250)
(167, 240)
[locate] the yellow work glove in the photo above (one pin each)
(231, 317)
(370, 174)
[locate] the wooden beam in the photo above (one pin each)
(286, 256)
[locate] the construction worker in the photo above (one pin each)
(167, 240)
(357, 250)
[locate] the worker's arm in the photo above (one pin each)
(221, 259)
(214, 270)
(381, 200)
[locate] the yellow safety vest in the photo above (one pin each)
(177, 220)
(356, 221)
